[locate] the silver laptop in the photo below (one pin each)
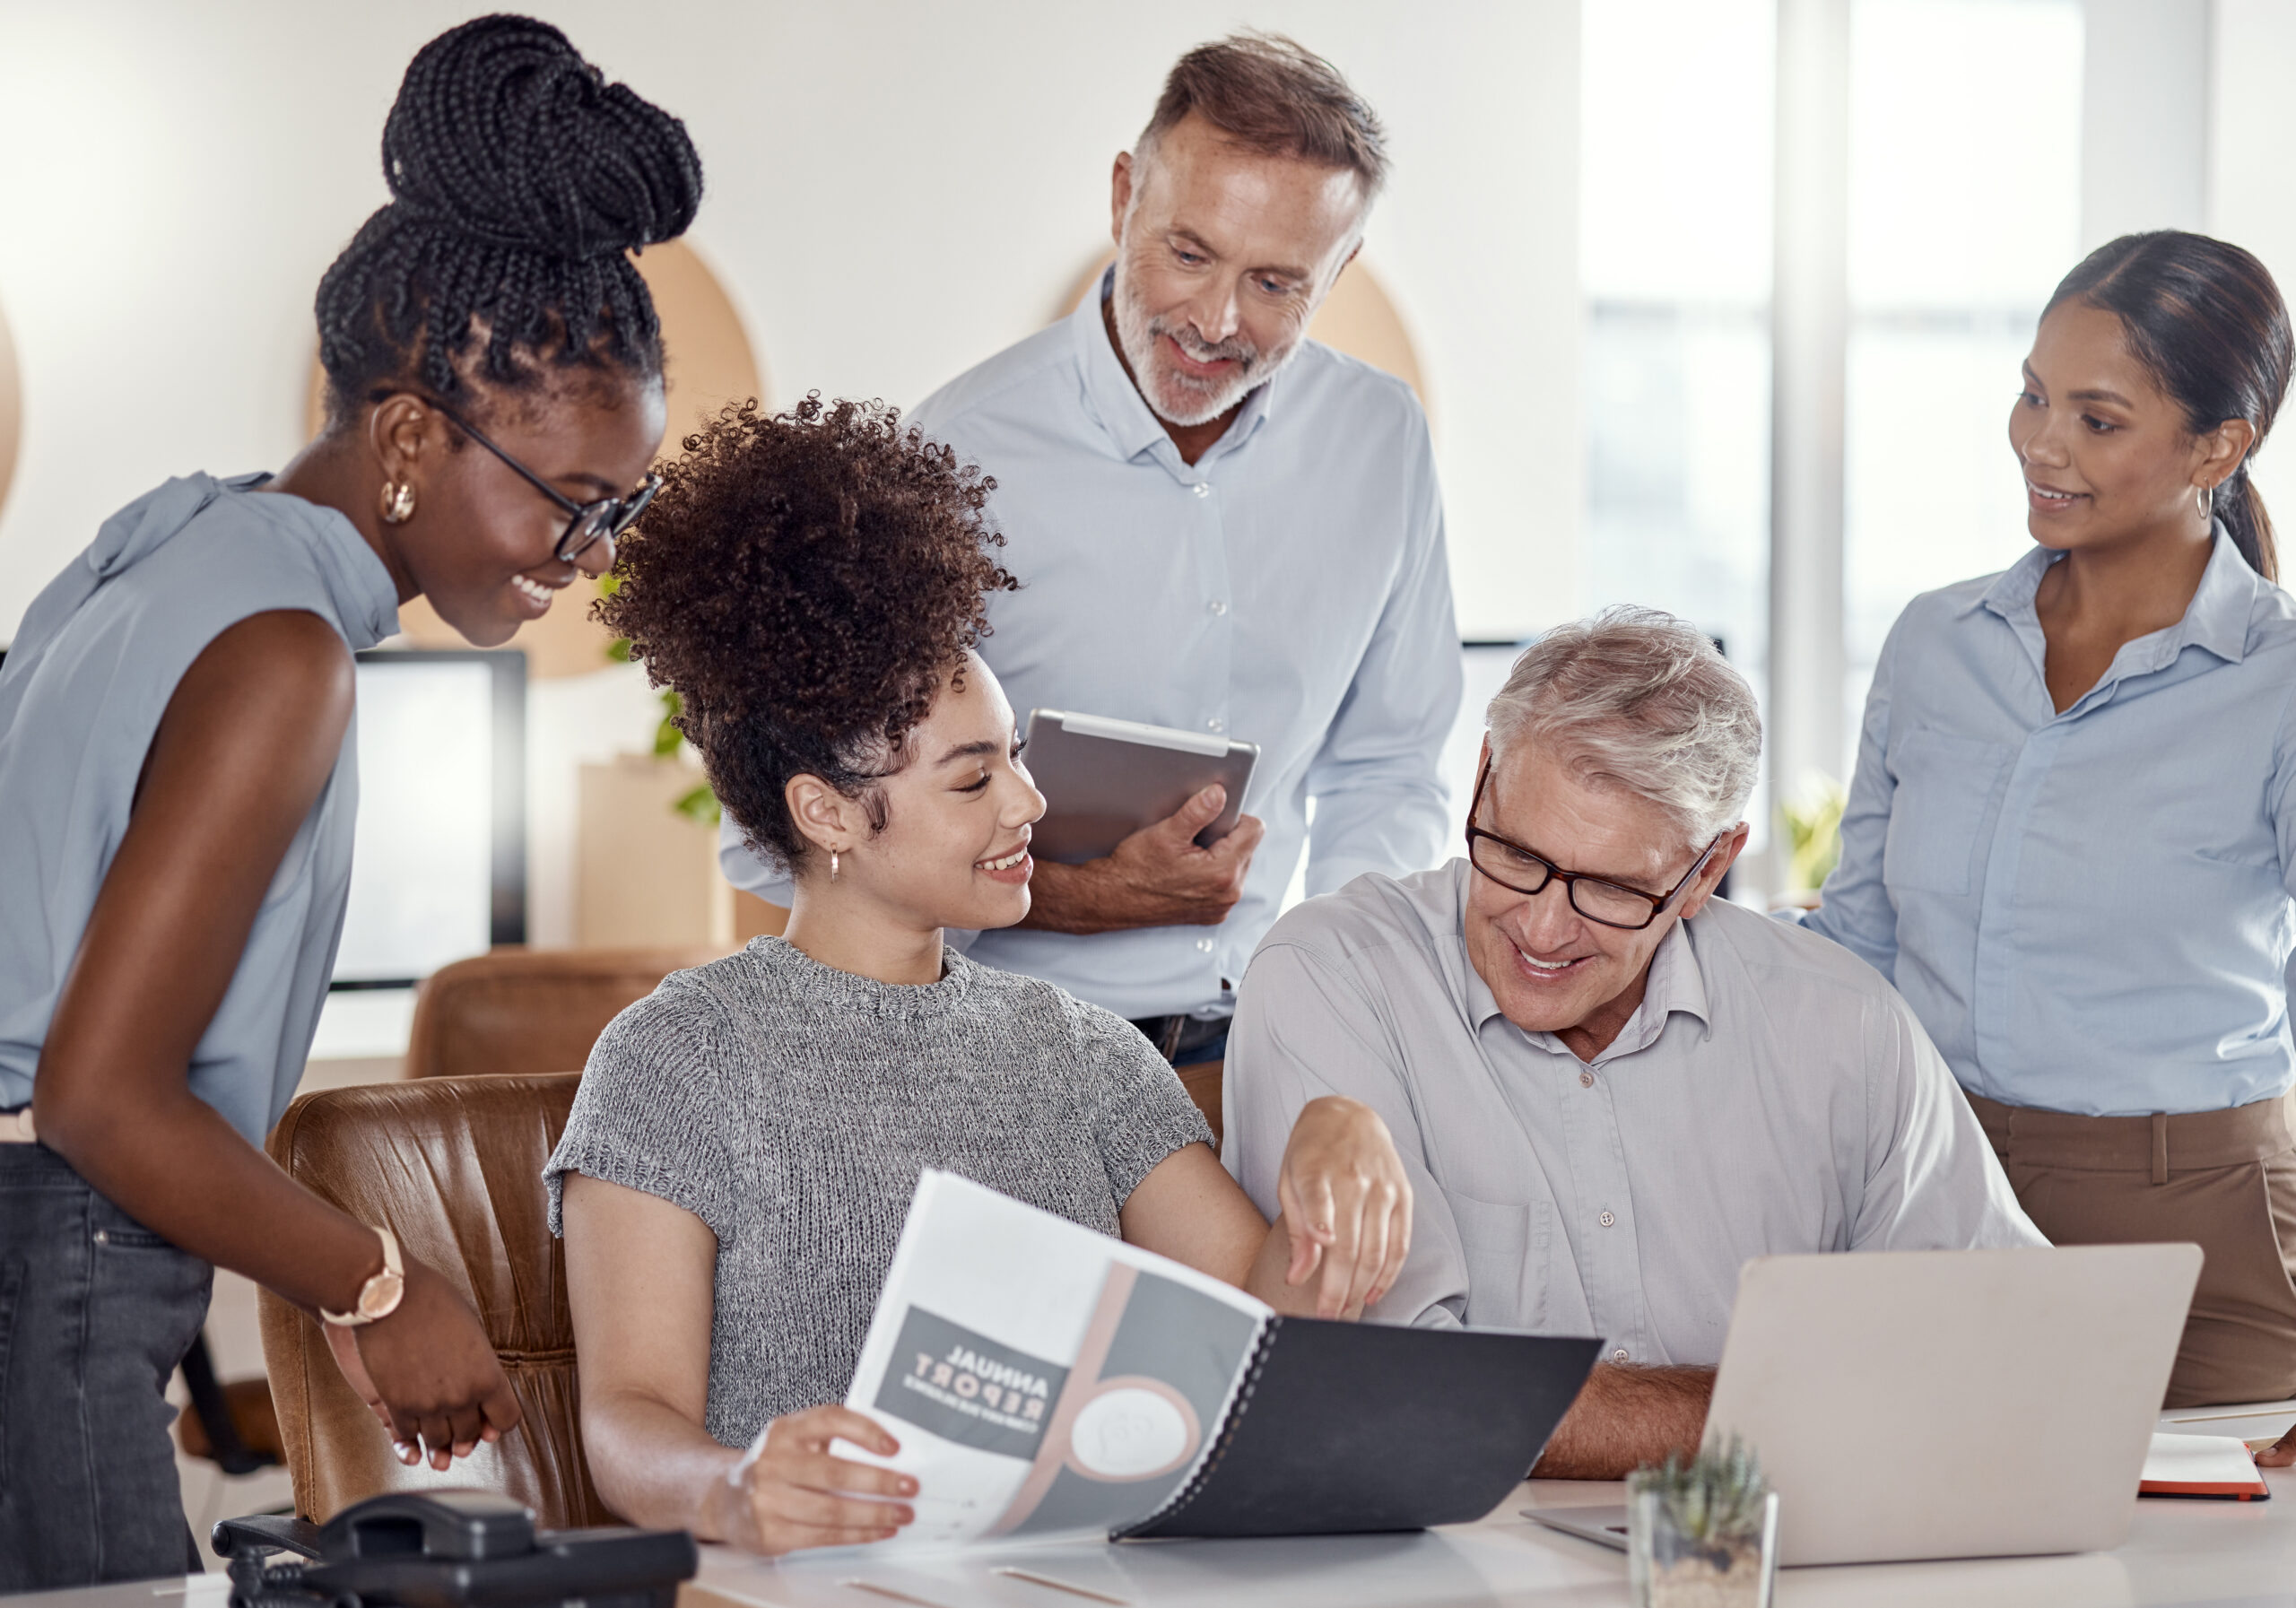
(1946, 1404)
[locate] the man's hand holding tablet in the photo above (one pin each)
(1156, 877)
(1105, 860)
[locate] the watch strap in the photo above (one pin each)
(393, 1278)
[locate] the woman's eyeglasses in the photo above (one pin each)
(1610, 904)
(589, 523)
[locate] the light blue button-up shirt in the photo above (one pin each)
(1291, 588)
(2089, 911)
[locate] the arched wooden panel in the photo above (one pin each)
(11, 409)
(707, 362)
(1357, 318)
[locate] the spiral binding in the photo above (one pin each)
(1178, 1501)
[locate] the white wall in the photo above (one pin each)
(896, 189)
(2252, 176)
(2144, 118)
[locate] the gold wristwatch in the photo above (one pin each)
(379, 1296)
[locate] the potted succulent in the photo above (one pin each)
(1702, 1534)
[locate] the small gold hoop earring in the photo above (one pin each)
(833, 864)
(399, 502)
(2204, 498)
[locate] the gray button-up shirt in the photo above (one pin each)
(1770, 1094)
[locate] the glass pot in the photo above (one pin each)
(1666, 1568)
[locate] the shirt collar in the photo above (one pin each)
(2011, 592)
(2217, 618)
(1131, 423)
(1676, 982)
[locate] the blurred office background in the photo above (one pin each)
(1625, 239)
(1716, 305)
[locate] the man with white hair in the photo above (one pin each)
(1219, 525)
(1610, 1088)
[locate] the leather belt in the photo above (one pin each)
(1176, 1035)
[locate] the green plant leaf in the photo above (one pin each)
(1811, 825)
(1718, 1495)
(667, 736)
(700, 805)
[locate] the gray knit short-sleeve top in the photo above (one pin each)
(791, 1107)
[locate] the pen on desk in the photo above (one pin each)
(1069, 1587)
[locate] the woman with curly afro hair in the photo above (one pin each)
(742, 1153)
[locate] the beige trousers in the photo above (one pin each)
(2225, 1180)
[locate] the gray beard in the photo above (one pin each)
(1137, 334)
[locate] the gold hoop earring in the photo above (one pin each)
(399, 502)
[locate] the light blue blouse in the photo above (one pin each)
(2088, 911)
(85, 683)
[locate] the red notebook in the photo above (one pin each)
(2202, 1465)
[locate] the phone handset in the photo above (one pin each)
(443, 1547)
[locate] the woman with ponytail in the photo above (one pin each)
(178, 788)
(2071, 842)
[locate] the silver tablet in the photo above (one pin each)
(1104, 779)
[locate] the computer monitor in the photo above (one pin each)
(439, 870)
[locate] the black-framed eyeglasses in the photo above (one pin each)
(1607, 903)
(588, 522)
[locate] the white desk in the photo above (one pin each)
(2216, 1554)
(2223, 1554)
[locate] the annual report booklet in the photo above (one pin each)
(1047, 1381)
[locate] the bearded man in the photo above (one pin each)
(1222, 525)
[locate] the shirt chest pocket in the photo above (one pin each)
(1947, 787)
(1505, 1248)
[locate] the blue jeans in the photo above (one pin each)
(1211, 1049)
(95, 1312)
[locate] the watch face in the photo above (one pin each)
(379, 1299)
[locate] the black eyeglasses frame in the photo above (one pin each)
(1571, 879)
(604, 519)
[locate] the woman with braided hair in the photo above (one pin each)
(177, 791)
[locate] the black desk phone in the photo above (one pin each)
(445, 1549)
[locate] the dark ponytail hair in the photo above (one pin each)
(520, 180)
(2207, 320)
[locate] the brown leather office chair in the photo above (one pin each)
(530, 1010)
(453, 1167)
(1203, 1083)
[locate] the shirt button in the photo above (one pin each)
(1619, 1355)
(1212, 724)
(1203, 489)
(1216, 607)
(1205, 944)
(1585, 1080)
(1607, 1219)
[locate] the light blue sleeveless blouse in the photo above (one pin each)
(85, 683)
